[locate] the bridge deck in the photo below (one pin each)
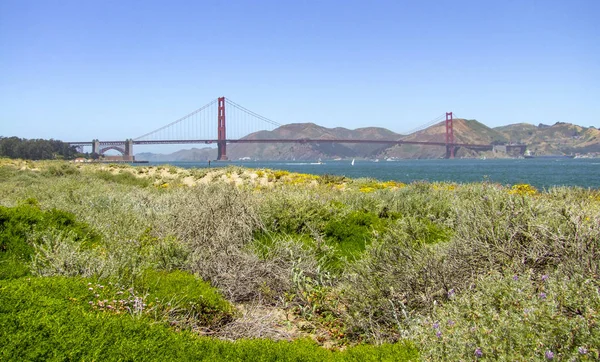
(286, 140)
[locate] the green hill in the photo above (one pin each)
(558, 139)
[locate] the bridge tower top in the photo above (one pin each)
(449, 135)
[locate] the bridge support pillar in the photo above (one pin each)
(95, 147)
(450, 148)
(450, 151)
(221, 135)
(128, 155)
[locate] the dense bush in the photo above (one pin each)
(183, 299)
(50, 319)
(125, 178)
(63, 169)
(399, 279)
(18, 227)
(516, 317)
(299, 211)
(349, 235)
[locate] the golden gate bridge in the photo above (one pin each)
(238, 122)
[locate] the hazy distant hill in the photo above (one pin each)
(560, 138)
(311, 151)
(465, 131)
(195, 154)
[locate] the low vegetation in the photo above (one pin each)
(102, 262)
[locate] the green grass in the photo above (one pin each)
(47, 319)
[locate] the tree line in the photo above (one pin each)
(36, 149)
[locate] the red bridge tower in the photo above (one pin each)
(221, 136)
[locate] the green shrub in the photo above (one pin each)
(62, 169)
(328, 179)
(351, 233)
(50, 319)
(18, 226)
(125, 178)
(7, 172)
(496, 230)
(184, 298)
(401, 277)
(199, 173)
(421, 231)
(516, 317)
(168, 253)
(295, 211)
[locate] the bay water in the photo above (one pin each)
(542, 173)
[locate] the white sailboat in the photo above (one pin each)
(352, 162)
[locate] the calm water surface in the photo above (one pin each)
(542, 173)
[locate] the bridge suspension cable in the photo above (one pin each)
(249, 112)
(184, 118)
(428, 124)
(200, 124)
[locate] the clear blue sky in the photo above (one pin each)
(77, 70)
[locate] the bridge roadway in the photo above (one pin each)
(302, 140)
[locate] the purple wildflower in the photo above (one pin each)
(544, 277)
(478, 352)
(582, 350)
(451, 293)
(438, 334)
(515, 277)
(549, 355)
(451, 323)
(543, 295)
(436, 325)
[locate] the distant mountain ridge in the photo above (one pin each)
(194, 154)
(560, 138)
(311, 151)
